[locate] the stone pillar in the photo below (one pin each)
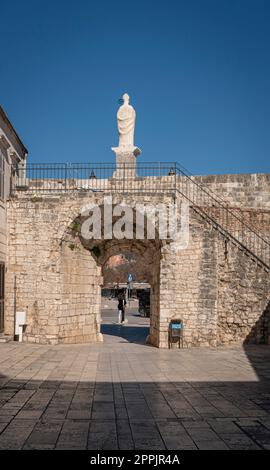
(125, 161)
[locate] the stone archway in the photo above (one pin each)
(59, 276)
(82, 262)
(148, 252)
(56, 279)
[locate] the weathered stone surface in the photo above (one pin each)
(88, 397)
(220, 294)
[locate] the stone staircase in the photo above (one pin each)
(216, 211)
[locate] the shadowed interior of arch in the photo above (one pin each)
(102, 263)
(128, 273)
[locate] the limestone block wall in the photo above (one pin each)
(243, 298)
(45, 278)
(155, 306)
(243, 288)
(32, 277)
(188, 287)
(220, 294)
(240, 190)
(79, 316)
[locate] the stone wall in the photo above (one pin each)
(220, 294)
(240, 190)
(33, 269)
(243, 298)
(58, 279)
(51, 278)
(188, 286)
(79, 316)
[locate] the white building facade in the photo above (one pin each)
(13, 155)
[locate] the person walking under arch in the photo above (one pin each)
(121, 306)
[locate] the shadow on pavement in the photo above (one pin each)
(132, 334)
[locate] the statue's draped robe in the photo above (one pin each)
(126, 123)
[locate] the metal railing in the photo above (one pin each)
(152, 178)
(42, 178)
(227, 220)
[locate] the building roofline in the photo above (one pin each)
(10, 126)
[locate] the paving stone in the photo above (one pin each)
(116, 395)
(44, 435)
(124, 435)
(146, 435)
(258, 433)
(102, 435)
(74, 435)
(175, 436)
(15, 434)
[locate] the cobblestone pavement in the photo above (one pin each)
(124, 395)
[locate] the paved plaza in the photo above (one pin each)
(123, 394)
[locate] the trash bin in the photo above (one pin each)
(175, 333)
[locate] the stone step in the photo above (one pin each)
(5, 338)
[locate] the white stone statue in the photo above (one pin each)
(126, 123)
(126, 152)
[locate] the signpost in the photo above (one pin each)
(130, 279)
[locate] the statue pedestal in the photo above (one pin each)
(125, 161)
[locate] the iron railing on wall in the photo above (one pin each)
(148, 177)
(74, 177)
(227, 219)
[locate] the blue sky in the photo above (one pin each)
(197, 71)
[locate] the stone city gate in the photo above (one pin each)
(218, 284)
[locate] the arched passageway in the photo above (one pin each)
(129, 276)
(56, 277)
(83, 269)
